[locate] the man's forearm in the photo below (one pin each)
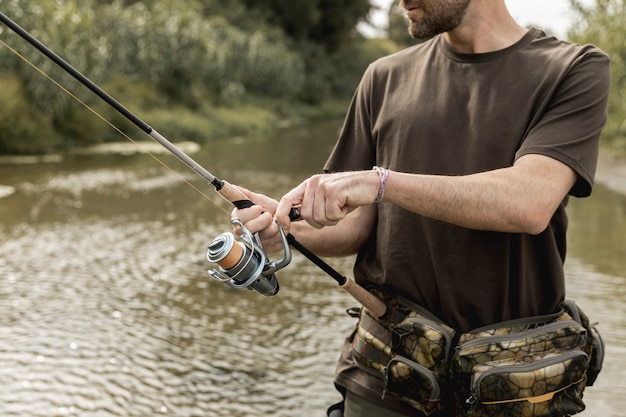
(519, 199)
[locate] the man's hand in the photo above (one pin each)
(325, 200)
(260, 218)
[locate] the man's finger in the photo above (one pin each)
(292, 199)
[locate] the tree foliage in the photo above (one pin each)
(325, 22)
(602, 24)
(169, 44)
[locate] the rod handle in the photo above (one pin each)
(240, 200)
(366, 298)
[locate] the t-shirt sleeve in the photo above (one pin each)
(569, 130)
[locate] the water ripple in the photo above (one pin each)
(128, 332)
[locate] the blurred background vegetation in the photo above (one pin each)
(203, 69)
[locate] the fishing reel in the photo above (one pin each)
(243, 263)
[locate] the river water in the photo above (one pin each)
(106, 308)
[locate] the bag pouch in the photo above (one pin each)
(424, 341)
(519, 341)
(543, 385)
(410, 382)
(509, 342)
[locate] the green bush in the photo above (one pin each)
(602, 24)
(189, 56)
(178, 124)
(22, 129)
(337, 74)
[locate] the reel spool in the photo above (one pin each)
(244, 264)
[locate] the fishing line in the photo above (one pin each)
(104, 119)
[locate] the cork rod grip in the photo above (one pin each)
(367, 299)
(239, 200)
(231, 194)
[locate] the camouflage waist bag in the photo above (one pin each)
(536, 367)
(530, 367)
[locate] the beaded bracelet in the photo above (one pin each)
(383, 174)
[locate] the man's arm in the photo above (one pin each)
(517, 199)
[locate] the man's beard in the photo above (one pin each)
(438, 18)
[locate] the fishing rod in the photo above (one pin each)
(241, 263)
(227, 191)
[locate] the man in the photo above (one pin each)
(482, 132)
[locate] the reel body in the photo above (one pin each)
(243, 263)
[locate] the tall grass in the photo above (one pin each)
(185, 58)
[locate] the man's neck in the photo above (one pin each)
(486, 27)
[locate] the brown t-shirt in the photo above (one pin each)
(431, 110)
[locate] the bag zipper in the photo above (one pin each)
(475, 396)
(490, 340)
